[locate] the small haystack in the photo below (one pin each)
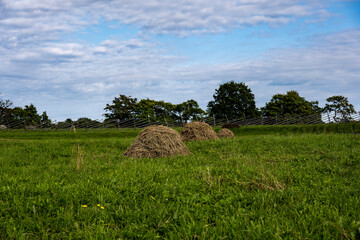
(198, 131)
(3, 127)
(225, 133)
(72, 128)
(157, 141)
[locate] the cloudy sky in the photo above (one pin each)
(71, 58)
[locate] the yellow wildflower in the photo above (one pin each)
(98, 205)
(102, 207)
(83, 205)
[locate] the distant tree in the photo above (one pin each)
(27, 116)
(290, 104)
(145, 110)
(189, 110)
(233, 100)
(341, 107)
(5, 111)
(164, 111)
(122, 108)
(30, 115)
(85, 122)
(45, 120)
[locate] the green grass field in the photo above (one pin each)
(260, 185)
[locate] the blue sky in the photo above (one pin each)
(71, 58)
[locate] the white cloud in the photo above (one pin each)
(38, 66)
(181, 17)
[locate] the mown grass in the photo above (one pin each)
(261, 186)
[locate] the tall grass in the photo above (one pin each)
(263, 186)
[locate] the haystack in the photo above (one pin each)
(198, 131)
(157, 141)
(3, 127)
(225, 133)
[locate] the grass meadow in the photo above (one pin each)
(260, 185)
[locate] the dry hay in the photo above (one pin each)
(198, 131)
(72, 128)
(225, 133)
(157, 141)
(3, 127)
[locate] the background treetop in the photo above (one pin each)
(290, 103)
(233, 100)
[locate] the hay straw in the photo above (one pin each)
(225, 133)
(198, 131)
(157, 141)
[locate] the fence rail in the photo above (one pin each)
(92, 125)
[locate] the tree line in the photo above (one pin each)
(231, 100)
(27, 116)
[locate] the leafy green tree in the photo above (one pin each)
(189, 110)
(5, 111)
(145, 110)
(341, 107)
(233, 100)
(30, 115)
(290, 104)
(164, 111)
(85, 122)
(45, 120)
(27, 116)
(122, 108)
(155, 111)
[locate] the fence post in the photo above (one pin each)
(214, 120)
(165, 121)
(227, 118)
(244, 118)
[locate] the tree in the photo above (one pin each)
(145, 110)
(233, 100)
(27, 116)
(341, 107)
(290, 104)
(123, 108)
(45, 120)
(30, 115)
(85, 122)
(189, 110)
(5, 111)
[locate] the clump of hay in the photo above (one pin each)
(72, 128)
(3, 127)
(225, 133)
(198, 131)
(157, 141)
(230, 125)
